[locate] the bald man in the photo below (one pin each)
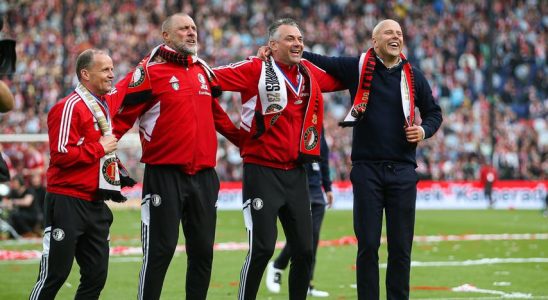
(385, 89)
(173, 95)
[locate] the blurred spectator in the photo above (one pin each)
(38, 190)
(450, 42)
(488, 176)
(23, 210)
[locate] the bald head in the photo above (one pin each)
(388, 41)
(383, 24)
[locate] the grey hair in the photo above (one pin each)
(85, 60)
(166, 25)
(273, 28)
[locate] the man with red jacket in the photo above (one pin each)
(488, 176)
(173, 92)
(280, 130)
(81, 175)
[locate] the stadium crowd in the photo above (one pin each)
(450, 42)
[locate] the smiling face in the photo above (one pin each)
(180, 33)
(287, 45)
(388, 40)
(98, 76)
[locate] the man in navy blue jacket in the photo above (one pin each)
(386, 90)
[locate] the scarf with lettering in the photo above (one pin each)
(110, 168)
(273, 97)
(407, 87)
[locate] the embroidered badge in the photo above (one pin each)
(257, 203)
(174, 83)
(156, 200)
(310, 138)
(109, 171)
(58, 234)
(138, 77)
(202, 80)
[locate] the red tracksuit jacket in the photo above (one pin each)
(279, 146)
(175, 111)
(74, 146)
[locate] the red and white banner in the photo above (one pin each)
(514, 194)
(511, 194)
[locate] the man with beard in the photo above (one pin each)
(173, 94)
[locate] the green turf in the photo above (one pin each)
(335, 265)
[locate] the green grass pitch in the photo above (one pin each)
(335, 270)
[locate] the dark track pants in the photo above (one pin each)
(269, 193)
(392, 187)
(74, 228)
(318, 212)
(171, 198)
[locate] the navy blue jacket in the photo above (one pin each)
(318, 178)
(380, 135)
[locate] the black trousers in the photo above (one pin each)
(391, 187)
(172, 198)
(318, 212)
(74, 228)
(269, 193)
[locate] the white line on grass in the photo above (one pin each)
(483, 261)
(9, 255)
(349, 240)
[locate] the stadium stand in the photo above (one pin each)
(449, 40)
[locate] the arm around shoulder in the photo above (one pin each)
(344, 69)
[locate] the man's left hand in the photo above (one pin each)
(330, 198)
(414, 133)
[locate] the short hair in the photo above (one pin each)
(377, 27)
(167, 23)
(273, 28)
(85, 60)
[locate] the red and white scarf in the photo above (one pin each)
(367, 67)
(109, 172)
(273, 97)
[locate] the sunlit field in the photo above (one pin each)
(476, 254)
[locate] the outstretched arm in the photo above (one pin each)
(344, 69)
